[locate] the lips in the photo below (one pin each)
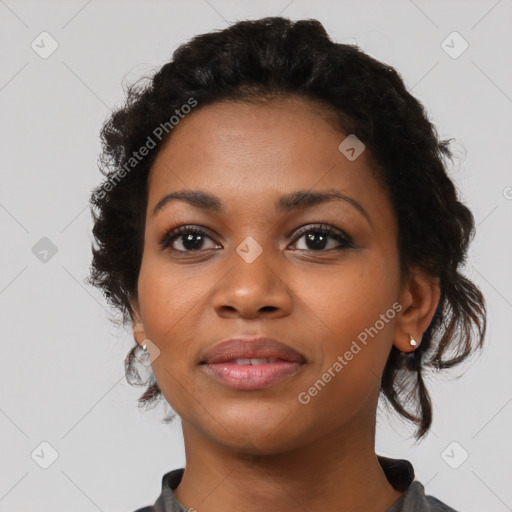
(243, 348)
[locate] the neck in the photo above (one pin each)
(338, 471)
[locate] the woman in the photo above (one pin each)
(278, 226)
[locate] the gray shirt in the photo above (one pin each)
(399, 473)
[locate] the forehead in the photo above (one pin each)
(250, 152)
(264, 133)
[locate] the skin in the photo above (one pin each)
(263, 449)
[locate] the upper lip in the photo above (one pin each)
(250, 347)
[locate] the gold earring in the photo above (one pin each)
(413, 342)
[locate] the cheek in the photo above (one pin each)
(351, 316)
(165, 296)
(171, 303)
(348, 298)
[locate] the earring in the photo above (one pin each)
(413, 342)
(137, 330)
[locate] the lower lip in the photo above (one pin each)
(247, 377)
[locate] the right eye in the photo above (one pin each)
(191, 238)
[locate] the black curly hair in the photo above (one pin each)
(272, 58)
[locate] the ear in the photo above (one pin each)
(419, 299)
(139, 334)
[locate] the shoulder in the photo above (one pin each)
(400, 474)
(166, 501)
(414, 498)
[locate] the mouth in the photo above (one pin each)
(243, 374)
(251, 363)
(255, 349)
(246, 363)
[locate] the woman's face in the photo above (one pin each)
(311, 291)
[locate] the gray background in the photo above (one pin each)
(62, 379)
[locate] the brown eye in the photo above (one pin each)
(190, 238)
(317, 238)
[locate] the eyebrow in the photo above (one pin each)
(299, 200)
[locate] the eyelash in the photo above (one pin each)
(345, 240)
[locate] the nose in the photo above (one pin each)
(250, 290)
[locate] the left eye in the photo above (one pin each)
(317, 238)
